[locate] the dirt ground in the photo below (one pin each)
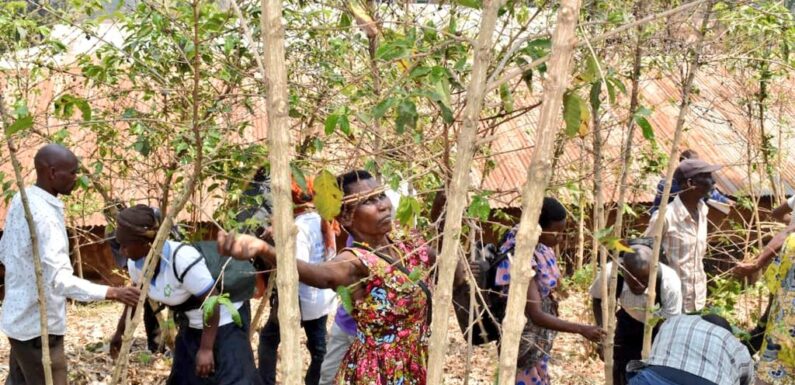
(574, 361)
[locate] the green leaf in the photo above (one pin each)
(442, 88)
(331, 123)
(640, 118)
(298, 175)
(345, 125)
(380, 110)
(392, 50)
(611, 91)
(407, 115)
(407, 211)
(230, 308)
(328, 196)
(20, 124)
(209, 308)
(476, 4)
(591, 72)
(346, 299)
(596, 90)
(415, 275)
(645, 126)
(506, 97)
(572, 104)
(479, 207)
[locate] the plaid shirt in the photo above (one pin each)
(685, 244)
(690, 344)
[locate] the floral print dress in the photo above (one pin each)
(532, 368)
(777, 359)
(391, 345)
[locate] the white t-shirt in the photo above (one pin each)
(791, 204)
(166, 288)
(310, 248)
(635, 305)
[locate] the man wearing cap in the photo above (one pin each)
(684, 235)
(715, 199)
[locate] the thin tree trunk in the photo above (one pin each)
(459, 187)
(563, 41)
(153, 258)
(78, 254)
(283, 223)
(684, 108)
(46, 361)
(581, 211)
(610, 320)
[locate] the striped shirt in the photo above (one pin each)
(685, 243)
(690, 344)
(670, 295)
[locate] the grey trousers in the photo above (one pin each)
(25, 366)
(337, 346)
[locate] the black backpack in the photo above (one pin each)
(238, 281)
(490, 303)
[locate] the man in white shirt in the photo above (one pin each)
(684, 236)
(632, 293)
(56, 173)
(311, 246)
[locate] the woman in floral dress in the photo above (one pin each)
(387, 285)
(541, 310)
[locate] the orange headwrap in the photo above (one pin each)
(302, 199)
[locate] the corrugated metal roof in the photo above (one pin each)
(717, 128)
(128, 188)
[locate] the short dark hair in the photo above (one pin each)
(718, 321)
(551, 211)
(344, 181)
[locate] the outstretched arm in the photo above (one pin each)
(534, 312)
(343, 270)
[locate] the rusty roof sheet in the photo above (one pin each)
(717, 128)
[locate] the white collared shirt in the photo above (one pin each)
(20, 311)
(168, 290)
(685, 244)
(670, 295)
(310, 248)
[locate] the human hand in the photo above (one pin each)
(241, 246)
(593, 333)
(205, 363)
(126, 295)
(744, 269)
(115, 345)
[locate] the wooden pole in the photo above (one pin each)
(46, 361)
(457, 196)
(283, 223)
(153, 258)
(558, 77)
(610, 319)
(684, 108)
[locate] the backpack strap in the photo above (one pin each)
(181, 277)
(392, 262)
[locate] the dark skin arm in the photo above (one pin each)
(205, 362)
(768, 253)
(344, 270)
(115, 341)
(534, 312)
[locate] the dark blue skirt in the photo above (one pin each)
(234, 360)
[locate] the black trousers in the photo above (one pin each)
(234, 360)
(269, 340)
(627, 345)
(24, 362)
